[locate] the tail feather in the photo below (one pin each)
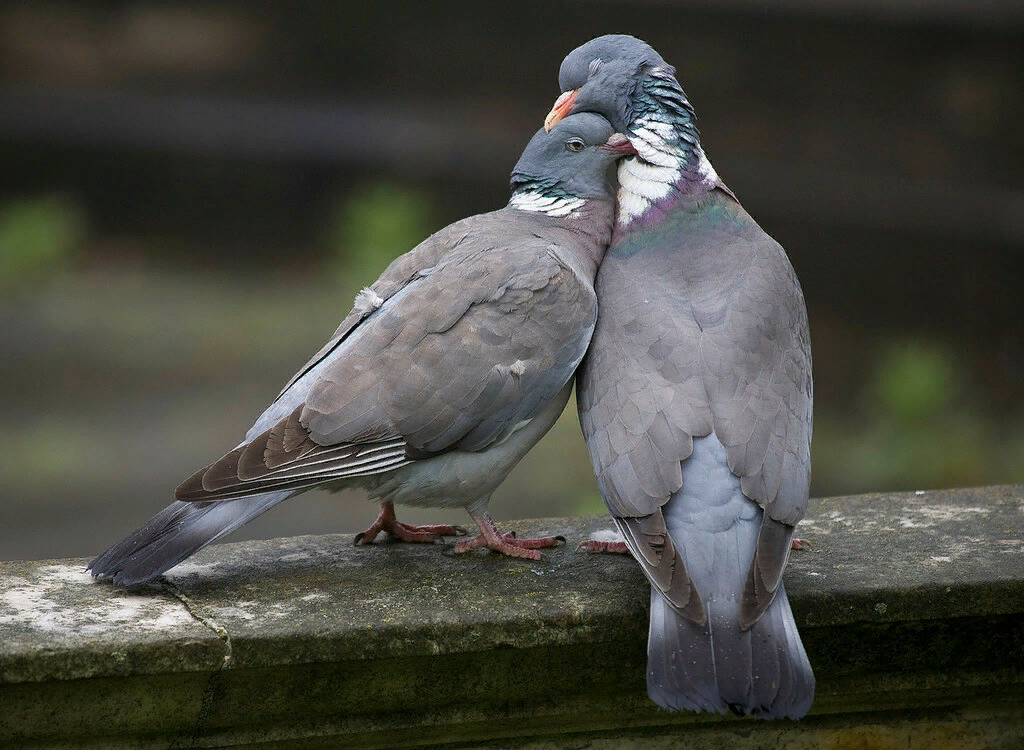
(175, 533)
(718, 667)
(680, 661)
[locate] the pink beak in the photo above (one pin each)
(619, 144)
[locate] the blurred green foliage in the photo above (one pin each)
(919, 426)
(914, 382)
(38, 239)
(374, 224)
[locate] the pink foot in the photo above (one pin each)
(388, 523)
(505, 544)
(800, 544)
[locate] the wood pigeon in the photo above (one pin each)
(448, 369)
(695, 399)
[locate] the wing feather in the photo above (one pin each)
(456, 358)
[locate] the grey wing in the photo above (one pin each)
(641, 401)
(503, 331)
(756, 366)
(403, 269)
(458, 358)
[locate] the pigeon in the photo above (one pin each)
(448, 369)
(695, 399)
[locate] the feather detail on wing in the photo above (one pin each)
(407, 267)
(284, 457)
(455, 359)
(649, 541)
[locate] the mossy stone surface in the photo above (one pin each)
(911, 606)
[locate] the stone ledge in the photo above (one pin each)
(911, 606)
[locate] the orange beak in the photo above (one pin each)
(563, 105)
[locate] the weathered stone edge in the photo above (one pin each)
(985, 592)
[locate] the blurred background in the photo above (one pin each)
(191, 193)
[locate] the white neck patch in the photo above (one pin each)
(537, 202)
(649, 178)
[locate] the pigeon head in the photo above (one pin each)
(601, 76)
(572, 162)
(627, 82)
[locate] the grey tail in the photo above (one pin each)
(762, 672)
(719, 666)
(175, 533)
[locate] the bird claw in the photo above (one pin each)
(389, 524)
(508, 544)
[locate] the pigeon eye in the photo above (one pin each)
(575, 144)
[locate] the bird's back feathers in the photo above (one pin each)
(503, 329)
(702, 330)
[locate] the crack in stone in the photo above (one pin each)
(210, 693)
(219, 630)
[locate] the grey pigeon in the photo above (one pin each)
(695, 399)
(448, 369)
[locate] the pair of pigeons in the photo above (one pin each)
(686, 330)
